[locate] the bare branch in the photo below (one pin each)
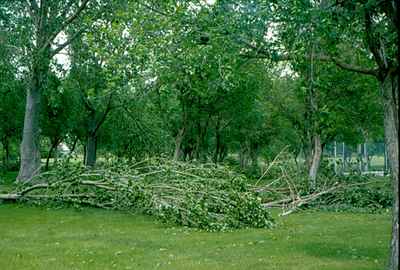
(103, 117)
(33, 8)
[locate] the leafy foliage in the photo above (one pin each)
(362, 194)
(201, 196)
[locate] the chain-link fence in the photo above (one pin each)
(365, 158)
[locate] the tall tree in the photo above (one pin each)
(47, 20)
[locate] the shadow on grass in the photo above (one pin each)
(343, 251)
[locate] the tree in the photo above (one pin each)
(378, 20)
(46, 20)
(360, 31)
(58, 114)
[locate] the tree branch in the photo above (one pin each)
(60, 47)
(154, 9)
(33, 8)
(349, 67)
(68, 21)
(373, 42)
(103, 117)
(321, 57)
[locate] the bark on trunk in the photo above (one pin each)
(360, 158)
(335, 157)
(386, 162)
(254, 152)
(366, 158)
(84, 151)
(217, 142)
(91, 150)
(178, 144)
(243, 154)
(316, 160)
(391, 122)
(30, 150)
(200, 148)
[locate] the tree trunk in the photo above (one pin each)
(308, 153)
(385, 161)
(315, 162)
(390, 93)
(178, 144)
(200, 147)
(53, 146)
(91, 140)
(254, 152)
(84, 151)
(335, 157)
(223, 152)
(6, 158)
(71, 151)
(360, 162)
(343, 159)
(91, 150)
(30, 148)
(217, 142)
(243, 152)
(366, 158)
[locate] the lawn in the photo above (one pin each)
(39, 238)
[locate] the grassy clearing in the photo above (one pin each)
(37, 238)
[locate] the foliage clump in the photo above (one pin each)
(205, 196)
(359, 194)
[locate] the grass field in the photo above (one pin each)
(38, 238)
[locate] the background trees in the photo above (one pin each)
(204, 81)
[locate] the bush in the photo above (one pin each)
(360, 194)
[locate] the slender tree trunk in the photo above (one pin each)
(308, 154)
(53, 146)
(178, 144)
(316, 160)
(386, 161)
(243, 155)
(55, 160)
(200, 147)
(343, 159)
(72, 149)
(30, 148)
(335, 157)
(91, 150)
(254, 152)
(91, 141)
(217, 142)
(390, 93)
(366, 158)
(6, 158)
(360, 158)
(84, 151)
(223, 152)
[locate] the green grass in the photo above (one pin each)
(37, 238)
